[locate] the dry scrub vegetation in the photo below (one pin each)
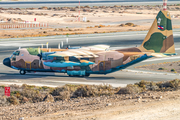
(173, 67)
(33, 94)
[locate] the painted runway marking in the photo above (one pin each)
(18, 44)
(93, 83)
(1, 63)
(166, 58)
(74, 38)
(147, 72)
(87, 83)
(12, 83)
(177, 48)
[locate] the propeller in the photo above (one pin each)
(47, 45)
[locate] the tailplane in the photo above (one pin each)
(160, 36)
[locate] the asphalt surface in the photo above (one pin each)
(115, 40)
(91, 3)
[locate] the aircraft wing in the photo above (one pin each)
(78, 53)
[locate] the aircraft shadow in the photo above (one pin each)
(12, 76)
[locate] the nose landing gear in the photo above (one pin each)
(22, 72)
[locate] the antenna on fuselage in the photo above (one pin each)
(39, 50)
(67, 40)
(59, 47)
(47, 45)
(61, 43)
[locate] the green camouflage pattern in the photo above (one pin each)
(96, 59)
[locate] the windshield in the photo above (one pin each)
(16, 53)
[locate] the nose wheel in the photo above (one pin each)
(22, 72)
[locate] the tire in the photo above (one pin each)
(87, 75)
(22, 72)
(71, 76)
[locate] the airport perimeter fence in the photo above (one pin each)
(26, 25)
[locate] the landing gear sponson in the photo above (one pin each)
(23, 72)
(86, 75)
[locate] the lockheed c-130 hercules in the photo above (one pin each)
(96, 59)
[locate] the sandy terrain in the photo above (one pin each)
(63, 20)
(144, 106)
(173, 67)
(142, 101)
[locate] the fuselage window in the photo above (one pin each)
(14, 58)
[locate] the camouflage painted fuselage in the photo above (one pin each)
(90, 60)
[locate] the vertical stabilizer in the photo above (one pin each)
(160, 36)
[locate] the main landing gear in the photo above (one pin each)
(22, 72)
(86, 75)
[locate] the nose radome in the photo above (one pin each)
(7, 62)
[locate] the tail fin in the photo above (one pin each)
(160, 36)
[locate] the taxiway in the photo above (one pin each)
(115, 40)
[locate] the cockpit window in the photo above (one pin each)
(16, 53)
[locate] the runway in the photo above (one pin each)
(115, 40)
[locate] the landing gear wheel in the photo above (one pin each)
(87, 75)
(70, 75)
(22, 72)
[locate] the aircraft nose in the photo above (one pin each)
(7, 62)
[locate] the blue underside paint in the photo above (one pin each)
(121, 67)
(169, 54)
(59, 64)
(66, 64)
(82, 72)
(14, 67)
(86, 64)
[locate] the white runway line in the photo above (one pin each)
(18, 44)
(86, 83)
(92, 83)
(177, 48)
(14, 83)
(166, 58)
(147, 72)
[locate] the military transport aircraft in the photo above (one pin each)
(96, 59)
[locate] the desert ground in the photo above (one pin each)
(173, 67)
(141, 101)
(99, 19)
